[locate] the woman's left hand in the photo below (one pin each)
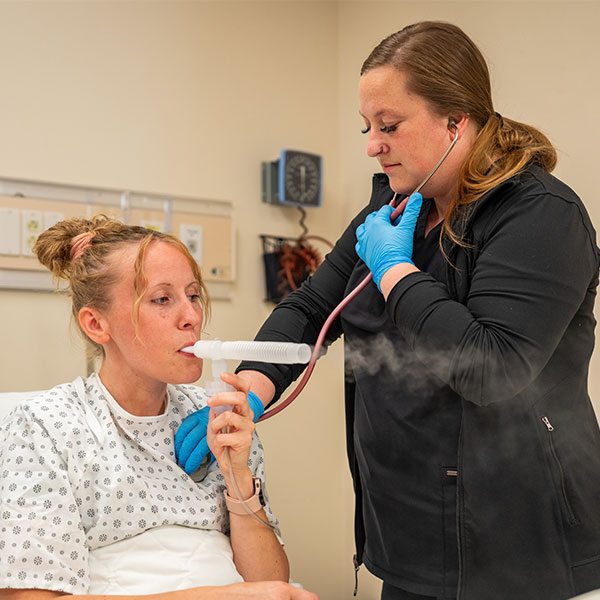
(381, 244)
(232, 428)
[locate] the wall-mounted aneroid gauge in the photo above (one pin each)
(294, 179)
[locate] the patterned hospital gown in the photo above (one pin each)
(77, 472)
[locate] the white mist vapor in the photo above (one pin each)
(380, 356)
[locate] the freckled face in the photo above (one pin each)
(170, 317)
(405, 136)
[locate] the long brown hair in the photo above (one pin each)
(90, 270)
(445, 67)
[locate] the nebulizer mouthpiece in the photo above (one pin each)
(271, 352)
(219, 352)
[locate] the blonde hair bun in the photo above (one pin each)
(53, 246)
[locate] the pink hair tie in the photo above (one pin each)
(80, 243)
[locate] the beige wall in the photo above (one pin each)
(188, 98)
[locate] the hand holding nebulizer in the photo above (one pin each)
(191, 445)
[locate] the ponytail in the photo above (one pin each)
(502, 148)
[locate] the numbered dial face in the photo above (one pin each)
(301, 178)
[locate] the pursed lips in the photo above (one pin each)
(388, 166)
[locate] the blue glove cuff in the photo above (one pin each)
(384, 267)
(256, 406)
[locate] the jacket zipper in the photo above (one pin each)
(459, 520)
(356, 568)
(571, 518)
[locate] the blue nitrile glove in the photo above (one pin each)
(381, 244)
(191, 446)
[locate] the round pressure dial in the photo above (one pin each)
(299, 178)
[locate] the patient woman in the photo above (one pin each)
(92, 502)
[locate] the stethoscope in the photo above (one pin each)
(336, 311)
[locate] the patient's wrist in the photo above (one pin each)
(254, 503)
(244, 483)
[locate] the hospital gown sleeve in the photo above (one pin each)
(42, 542)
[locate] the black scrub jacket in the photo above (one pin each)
(472, 442)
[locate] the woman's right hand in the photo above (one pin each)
(191, 446)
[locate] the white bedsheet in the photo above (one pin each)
(163, 559)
